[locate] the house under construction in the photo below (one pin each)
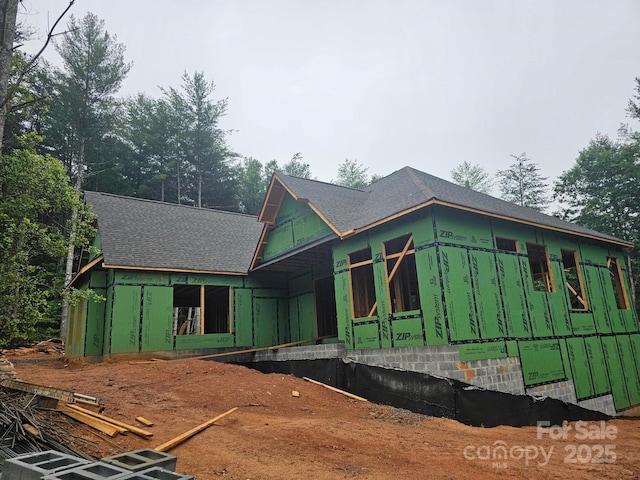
(411, 272)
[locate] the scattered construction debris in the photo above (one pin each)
(27, 427)
(49, 392)
(53, 346)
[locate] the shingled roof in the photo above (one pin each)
(350, 210)
(157, 235)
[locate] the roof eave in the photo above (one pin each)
(355, 231)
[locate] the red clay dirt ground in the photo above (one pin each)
(321, 434)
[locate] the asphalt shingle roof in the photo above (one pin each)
(348, 209)
(149, 234)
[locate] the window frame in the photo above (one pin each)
(581, 296)
(540, 267)
(399, 272)
(361, 270)
(203, 299)
(619, 287)
(516, 244)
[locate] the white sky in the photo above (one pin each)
(423, 83)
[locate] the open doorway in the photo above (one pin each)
(326, 314)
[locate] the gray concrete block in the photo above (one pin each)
(33, 466)
(91, 471)
(143, 459)
(162, 474)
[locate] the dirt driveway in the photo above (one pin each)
(320, 433)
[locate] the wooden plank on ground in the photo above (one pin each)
(133, 429)
(350, 395)
(181, 438)
(93, 422)
(144, 421)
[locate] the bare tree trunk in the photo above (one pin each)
(8, 14)
(68, 274)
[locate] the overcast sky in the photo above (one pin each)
(422, 83)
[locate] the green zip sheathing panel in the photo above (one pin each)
(616, 374)
(132, 277)
(541, 362)
(539, 314)
(157, 318)
(301, 306)
(513, 297)
(343, 308)
(580, 368)
(108, 314)
(210, 340)
(366, 334)
(482, 351)
(94, 325)
(243, 317)
(76, 323)
(407, 329)
(599, 374)
(593, 253)
(558, 303)
(488, 300)
(265, 314)
(125, 322)
(462, 228)
(296, 225)
(94, 337)
(430, 289)
(458, 294)
(598, 303)
(630, 368)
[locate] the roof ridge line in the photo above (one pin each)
(426, 191)
(170, 204)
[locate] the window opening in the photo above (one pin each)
(615, 272)
(363, 293)
(326, 313)
(507, 244)
(201, 309)
(574, 281)
(540, 267)
(402, 276)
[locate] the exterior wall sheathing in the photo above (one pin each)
(493, 326)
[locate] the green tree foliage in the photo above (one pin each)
(35, 198)
(148, 163)
(602, 190)
(352, 173)
(84, 109)
(472, 176)
(253, 181)
(523, 185)
(203, 163)
(296, 167)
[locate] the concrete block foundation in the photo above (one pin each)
(498, 374)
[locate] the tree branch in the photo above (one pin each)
(11, 91)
